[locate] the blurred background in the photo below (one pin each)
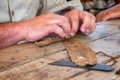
(95, 6)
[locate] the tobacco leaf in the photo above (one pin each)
(80, 53)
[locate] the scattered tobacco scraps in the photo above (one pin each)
(112, 58)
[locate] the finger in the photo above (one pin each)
(65, 25)
(93, 28)
(74, 22)
(103, 16)
(57, 30)
(92, 25)
(98, 17)
(62, 22)
(85, 24)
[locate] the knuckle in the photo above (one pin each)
(53, 28)
(75, 10)
(65, 19)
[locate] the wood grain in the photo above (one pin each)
(29, 62)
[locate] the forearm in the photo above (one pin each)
(10, 33)
(115, 11)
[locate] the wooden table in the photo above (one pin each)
(29, 62)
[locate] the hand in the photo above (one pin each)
(111, 13)
(81, 20)
(43, 25)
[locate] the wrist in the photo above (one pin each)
(25, 28)
(10, 33)
(21, 30)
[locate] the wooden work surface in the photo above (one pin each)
(29, 62)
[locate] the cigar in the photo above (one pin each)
(49, 41)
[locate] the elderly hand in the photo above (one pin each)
(81, 20)
(111, 13)
(39, 27)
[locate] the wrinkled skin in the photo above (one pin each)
(41, 26)
(111, 13)
(82, 21)
(45, 24)
(63, 26)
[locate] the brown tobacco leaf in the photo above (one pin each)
(80, 53)
(118, 72)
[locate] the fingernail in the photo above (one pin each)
(72, 34)
(83, 30)
(87, 30)
(63, 35)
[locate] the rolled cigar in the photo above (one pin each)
(50, 41)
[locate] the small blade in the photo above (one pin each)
(98, 66)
